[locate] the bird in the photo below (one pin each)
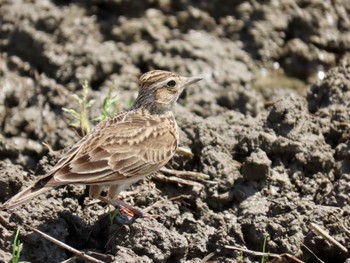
(123, 149)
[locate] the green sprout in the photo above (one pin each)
(109, 106)
(16, 249)
(80, 119)
(112, 215)
(264, 258)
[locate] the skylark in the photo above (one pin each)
(123, 149)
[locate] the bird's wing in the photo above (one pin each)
(77, 148)
(129, 145)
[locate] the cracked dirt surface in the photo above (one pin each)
(272, 137)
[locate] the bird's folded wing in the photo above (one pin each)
(121, 148)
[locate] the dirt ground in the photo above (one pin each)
(269, 123)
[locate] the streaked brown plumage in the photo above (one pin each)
(123, 149)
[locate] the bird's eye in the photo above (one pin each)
(171, 83)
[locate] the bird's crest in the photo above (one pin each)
(154, 76)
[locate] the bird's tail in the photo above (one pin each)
(39, 187)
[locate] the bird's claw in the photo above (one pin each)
(127, 209)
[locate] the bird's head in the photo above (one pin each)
(159, 90)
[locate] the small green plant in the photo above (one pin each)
(264, 258)
(17, 248)
(109, 106)
(112, 215)
(80, 119)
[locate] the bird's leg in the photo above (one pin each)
(95, 191)
(127, 209)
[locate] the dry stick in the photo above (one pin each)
(48, 146)
(173, 179)
(186, 174)
(184, 152)
(69, 260)
(174, 198)
(196, 176)
(326, 236)
(207, 257)
(65, 246)
(260, 254)
(254, 253)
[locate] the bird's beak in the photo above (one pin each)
(191, 80)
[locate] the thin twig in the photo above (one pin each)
(69, 260)
(184, 152)
(48, 146)
(173, 179)
(105, 257)
(76, 252)
(254, 253)
(208, 257)
(308, 249)
(174, 198)
(326, 236)
(186, 174)
(280, 257)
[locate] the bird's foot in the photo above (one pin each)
(127, 209)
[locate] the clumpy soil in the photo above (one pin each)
(269, 123)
